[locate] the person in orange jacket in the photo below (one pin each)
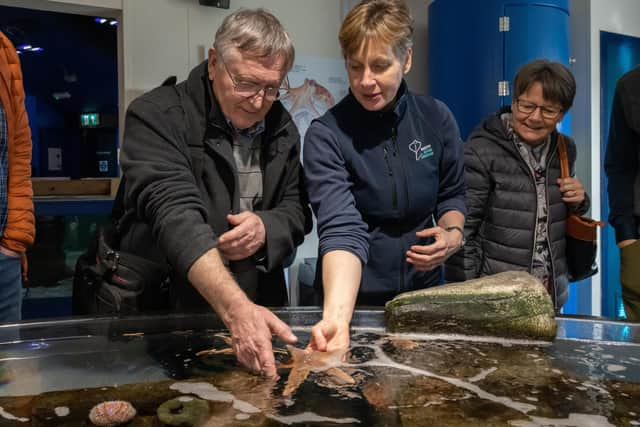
(17, 221)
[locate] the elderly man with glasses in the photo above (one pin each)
(517, 202)
(214, 183)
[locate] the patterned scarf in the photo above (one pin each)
(536, 159)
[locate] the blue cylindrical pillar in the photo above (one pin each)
(475, 45)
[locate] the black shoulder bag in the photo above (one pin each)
(109, 281)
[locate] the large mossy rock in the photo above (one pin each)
(511, 304)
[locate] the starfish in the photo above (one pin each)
(212, 351)
(229, 349)
(403, 344)
(303, 362)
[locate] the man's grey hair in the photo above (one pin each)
(257, 33)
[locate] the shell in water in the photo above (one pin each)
(112, 413)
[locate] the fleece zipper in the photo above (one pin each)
(403, 181)
(394, 190)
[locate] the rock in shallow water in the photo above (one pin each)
(181, 412)
(510, 304)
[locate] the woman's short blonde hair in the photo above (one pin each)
(257, 33)
(385, 21)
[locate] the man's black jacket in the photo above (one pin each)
(181, 182)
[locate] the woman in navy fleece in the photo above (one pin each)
(384, 172)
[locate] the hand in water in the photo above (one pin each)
(251, 328)
(329, 336)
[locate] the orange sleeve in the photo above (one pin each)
(19, 231)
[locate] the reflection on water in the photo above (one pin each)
(398, 380)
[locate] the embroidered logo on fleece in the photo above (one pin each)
(420, 151)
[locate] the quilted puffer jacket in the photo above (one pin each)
(501, 201)
(19, 231)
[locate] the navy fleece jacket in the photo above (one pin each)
(376, 178)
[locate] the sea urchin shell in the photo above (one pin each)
(112, 413)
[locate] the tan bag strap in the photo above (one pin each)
(564, 173)
(564, 159)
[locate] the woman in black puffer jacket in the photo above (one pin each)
(517, 203)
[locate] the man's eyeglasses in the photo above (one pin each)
(249, 89)
(526, 107)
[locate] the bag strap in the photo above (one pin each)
(108, 258)
(564, 173)
(564, 159)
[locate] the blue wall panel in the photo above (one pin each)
(536, 31)
(464, 65)
(618, 54)
(468, 54)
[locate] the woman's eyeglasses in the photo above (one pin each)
(526, 107)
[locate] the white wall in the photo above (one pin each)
(170, 37)
(418, 76)
(580, 57)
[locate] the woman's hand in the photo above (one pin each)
(341, 273)
(329, 335)
(572, 191)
